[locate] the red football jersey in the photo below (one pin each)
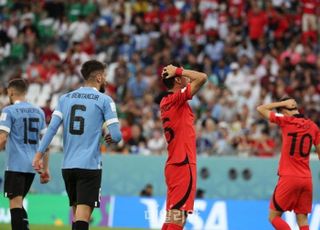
(298, 136)
(177, 121)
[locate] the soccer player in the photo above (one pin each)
(294, 188)
(178, 119)
(20, 127)
(82, 113)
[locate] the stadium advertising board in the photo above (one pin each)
(140, 212)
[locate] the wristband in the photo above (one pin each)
(178, 72)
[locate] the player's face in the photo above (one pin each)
(10, 95)
(289, 112)
(183, 81)
(102, 80)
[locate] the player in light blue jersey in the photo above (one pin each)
(20, 127)
(82, 113)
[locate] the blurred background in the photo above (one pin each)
(254, 52)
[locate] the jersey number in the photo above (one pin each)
(30, 125)
(305, 138)
(80, 120)
(168, 132)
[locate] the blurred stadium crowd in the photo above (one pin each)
(253, 52)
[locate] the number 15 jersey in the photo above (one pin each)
(24, 123)
(298, 136)
(83, 113)
(177, 119)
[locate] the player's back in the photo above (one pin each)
(24, 122)
(178, 119)
(298, 136)
(83, 116)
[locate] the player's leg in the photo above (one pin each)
(283, 199)
(29, 177)
(302, 220)
(70, 185)
(82, 217)
(74, 209)
(88, 196)
(277, 222)
(181, 183)
(16, 187)
(304, 203)
(16, 212)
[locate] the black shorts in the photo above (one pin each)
(83, 186)
(17, 183)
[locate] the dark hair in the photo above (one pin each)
(19, 85)
(169, 83)
(89, 68)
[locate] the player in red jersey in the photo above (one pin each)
(294, 188)
(177, 119)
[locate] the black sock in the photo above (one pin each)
(25, 219)
(81, 225)
(73, 225)
(16, 218)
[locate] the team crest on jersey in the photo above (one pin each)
(3, 117)
(113, 107)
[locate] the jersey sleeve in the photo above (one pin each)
(5, 120)
(183, 95)
(58, 110)
(278, 118)
(110, 112)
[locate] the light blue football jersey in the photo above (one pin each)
(82, 113)
(24, 123)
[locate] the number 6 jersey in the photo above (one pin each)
(298, 136)
(177, 120)
(82, 113)
(24, 123)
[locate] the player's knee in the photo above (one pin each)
(16, 202)
(272, 215)
(83, 213)
(302, 219)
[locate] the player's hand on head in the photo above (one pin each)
(290, 104)
(168, 71)
(45, 177)
(37, 162)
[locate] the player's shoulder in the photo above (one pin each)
(7, 108)
(165, 98)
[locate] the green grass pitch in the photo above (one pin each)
(50, 227)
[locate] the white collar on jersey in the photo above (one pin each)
(16, 102)
(90, 87)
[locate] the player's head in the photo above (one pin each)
(17, 88)
(175, 82)
(287, 111)
(94, 71)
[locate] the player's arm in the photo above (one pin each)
(318, 150)
(112, 122)
(197, 79)
(114, 135)
(45, 175)
(55, 122)
(265, 110)
(5, 126)
(3, 139)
